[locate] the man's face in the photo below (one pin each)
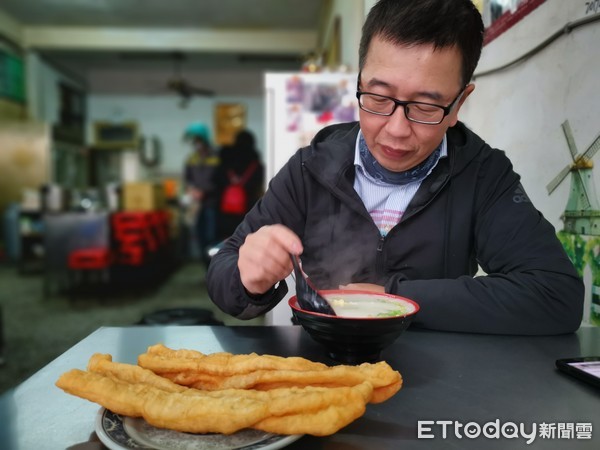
(415, 73)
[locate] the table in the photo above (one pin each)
(447, 377)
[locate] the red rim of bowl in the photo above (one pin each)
(293, 302)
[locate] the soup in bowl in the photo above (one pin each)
(364, 325)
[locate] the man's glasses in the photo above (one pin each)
(419, 112)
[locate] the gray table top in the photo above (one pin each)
(447, 377)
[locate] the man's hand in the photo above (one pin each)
(265, 257)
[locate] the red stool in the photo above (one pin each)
(91, 259)
(131, 255)
(134, 226)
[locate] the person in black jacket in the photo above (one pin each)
(408, 201)
(240, 164)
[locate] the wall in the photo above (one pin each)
(42, 88)
(10, 28)
(351, 14)
(158, 112)
(161, 116)
(521, 109)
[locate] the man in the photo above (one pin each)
(198, 175)
(409, 201)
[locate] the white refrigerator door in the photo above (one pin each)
(298, 105)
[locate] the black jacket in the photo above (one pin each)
(471, 210)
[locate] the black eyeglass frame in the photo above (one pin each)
(447, 109)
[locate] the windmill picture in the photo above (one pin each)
(582, 213)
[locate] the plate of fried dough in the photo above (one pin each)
(224, 400)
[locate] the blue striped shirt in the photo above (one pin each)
(385, 202)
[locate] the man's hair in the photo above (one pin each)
(443, 23)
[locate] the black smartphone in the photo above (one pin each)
(586, 368)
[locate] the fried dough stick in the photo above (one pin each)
(186, 368)
(172, 410)
(318, 423)
(385, 382)
(133, 391)
(103, 364)
(222, 364)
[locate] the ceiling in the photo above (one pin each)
(168, 39)
(269, 14)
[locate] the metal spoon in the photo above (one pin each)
(308, 297)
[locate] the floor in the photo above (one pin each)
(37, 329)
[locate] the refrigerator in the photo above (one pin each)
(298, 105)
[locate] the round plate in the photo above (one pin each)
(124, 433)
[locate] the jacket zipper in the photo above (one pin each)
(379, 264)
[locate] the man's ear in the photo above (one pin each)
(454, 114)
(468, 90)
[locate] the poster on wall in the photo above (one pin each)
(230, 119)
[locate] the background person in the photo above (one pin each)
(409, 200)
(198, 175)
(239, 164)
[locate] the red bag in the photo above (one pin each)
(234, 199)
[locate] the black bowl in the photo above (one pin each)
(354, 340)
